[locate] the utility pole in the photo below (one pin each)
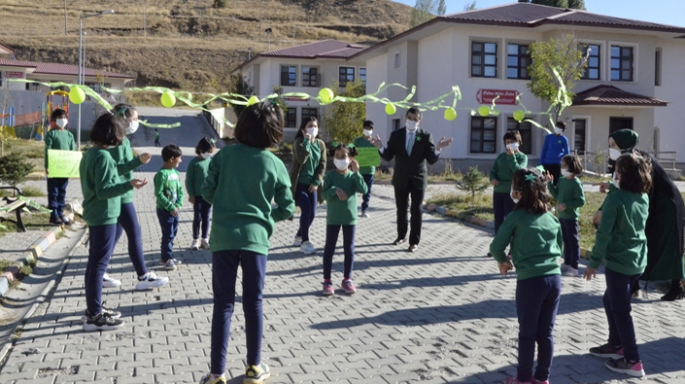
(144, 18)
(65, 17)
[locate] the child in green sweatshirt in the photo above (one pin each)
(622, 244)
(508, 162)
(570, 197)
(102, 188)
(340, 188)
(169, 194)
(242, 182)
(58, 138)
(195, 178)
(536, 241)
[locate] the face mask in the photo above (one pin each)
(565, 172)
(341, 164)
(206, 155)
(412, 125)
(617, 183)
(513, 146)
(313, 131)
(368, 132)
(558, 130)
(132, 127)
(61, 122)
(511, 194)
(614, 154)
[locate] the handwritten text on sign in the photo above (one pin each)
(368, 157)
(506, 96)
(64, 163)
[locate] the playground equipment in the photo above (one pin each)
(49, 106)
(7, 123)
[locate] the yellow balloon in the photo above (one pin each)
(252, 100)
(519, 115)
(450, 114)
(326, 95)
(390, 109)
(484, 111)
(168, 99)
(76, 95)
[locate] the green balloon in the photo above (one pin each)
(168, 99)
(484, 111)
(76, 95)
(519, 115)
(450, 114)
(390, 109)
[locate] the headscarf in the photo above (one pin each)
(626, 139)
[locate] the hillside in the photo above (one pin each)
(189, 44)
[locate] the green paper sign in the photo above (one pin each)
(368, 157)
(64, 163)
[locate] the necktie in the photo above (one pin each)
(410, 144)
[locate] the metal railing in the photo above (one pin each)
(592, 160)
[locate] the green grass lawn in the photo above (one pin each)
(32, 221)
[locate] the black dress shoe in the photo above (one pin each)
(56, 221)
(413, 248)
(399, 241)
(676, 292)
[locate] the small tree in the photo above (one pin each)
(442, 8)
(473, 182)
(343, 122)
(14, 169)
(423, 11)
(219, 4)
(573, 4)
(241, 87)
(470, 6)
(277, 89)
(563, 55)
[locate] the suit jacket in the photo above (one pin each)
(410, 169)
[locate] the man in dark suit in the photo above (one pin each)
(412, 148)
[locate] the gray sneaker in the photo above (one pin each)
(171, 264)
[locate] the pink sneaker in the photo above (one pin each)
(624, 366)
(533, 381)
(328, 288)
(513, 380)
(348, 286)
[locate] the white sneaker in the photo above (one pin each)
(195, 245)
(298, 241)
(307, 248)
(204, 244)
(364, 214)
(571, 272)
(151, 281)
(108, 282)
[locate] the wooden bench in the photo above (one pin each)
(14, 205)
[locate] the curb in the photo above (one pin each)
(30, 256)
(471, 219)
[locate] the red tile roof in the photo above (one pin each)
(533, 15)
(321, 49)
(59, 69)
(613, 96)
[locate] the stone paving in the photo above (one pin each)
(13, 245)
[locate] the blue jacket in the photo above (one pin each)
(554, 148)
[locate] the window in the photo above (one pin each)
(345, 74)
(618, 123)
(518, 60)
(483, 59)
(310, 112)
(580, 135)
(310, 77)
(483, 134)
(97, 87)
(526, 131)
(288, 75)
(657, 68)
(397, 60)
(395, 124)
(362, 75)
(291, 118)
(593, 60)
(621, 63)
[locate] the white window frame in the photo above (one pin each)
(604, 60)
(588, 131)
(356, 73)
(506, 54)
(498, 57)
(297, 117)
(636, 61)
(397, 58)
(659, 67)
(319, 73)
(297, 74)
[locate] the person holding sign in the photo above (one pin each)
(102, 190)
(367, 171)
(412, 148)
(58, 138)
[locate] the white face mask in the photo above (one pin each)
(368, 132)
(412, 125)
(513, 146)
(61, 122)
(617, 182)
(558, 130)
(565, 172)
(341, 164)
(511, 194)
(132, 127)
(313, 131)
(614, 154)
(206, 155)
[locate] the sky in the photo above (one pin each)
(668, 12)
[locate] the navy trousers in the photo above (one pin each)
(503, 205)
(569, 230)
(102, 239)
(307, 202)
(367, 196)
(617, 308)
(57, 193)
(332, 232)
(128, 222)
(169, 224)
(201, 210)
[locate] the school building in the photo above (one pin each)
(634, 79)
(304, 68)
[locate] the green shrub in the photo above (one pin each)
(32, 192)
(473, 182)
(14, 169)
(220, 4)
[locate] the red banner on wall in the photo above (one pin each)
(506, 96)
(14, 75)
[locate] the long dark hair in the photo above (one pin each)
(532, 185)
(303, 125)
(636, 173)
